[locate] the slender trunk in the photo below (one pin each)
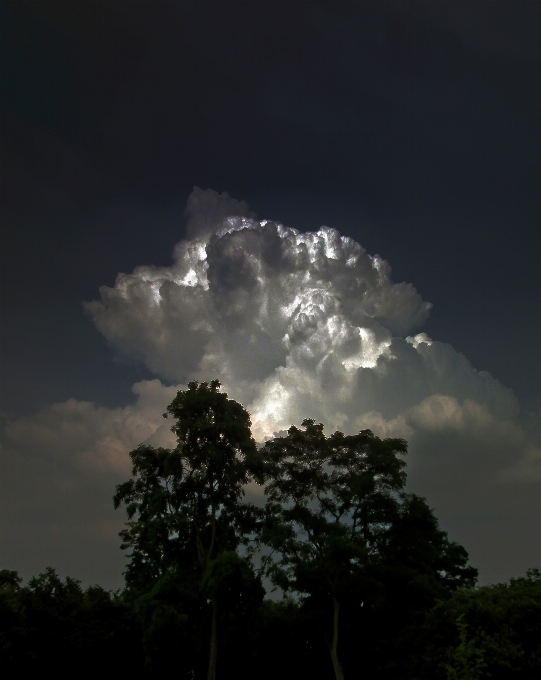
(213, 641)
(333, 646)
(214, 623)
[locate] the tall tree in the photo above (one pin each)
(334, 507)
(185, 508)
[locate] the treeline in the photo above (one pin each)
(54, 625)
(373, 587)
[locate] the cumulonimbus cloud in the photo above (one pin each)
(294, 324)
(299, 325)
(285, 320)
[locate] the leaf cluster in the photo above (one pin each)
(330, 503)
(492, 631)
(184, 505)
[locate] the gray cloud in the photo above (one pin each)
(59, 470)
(301, 325)
(263, 307)
(92, 438)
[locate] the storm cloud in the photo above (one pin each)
(294, 325)
(299, 325)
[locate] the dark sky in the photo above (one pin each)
(412, 127)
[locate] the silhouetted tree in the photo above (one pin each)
(339, 521)
(186, 514)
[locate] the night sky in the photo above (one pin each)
(411, 127)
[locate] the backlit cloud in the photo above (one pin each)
(286, 320)
(299, 325)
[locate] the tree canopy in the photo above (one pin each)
(339, 521)
(185, 509)
(493, 631)
(364, 566)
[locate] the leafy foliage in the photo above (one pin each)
(366, 563)
(51, 623)
(186, 513)
(344, 530)
(493, 630)
(184, 505)
(330, 501)
(467, 660)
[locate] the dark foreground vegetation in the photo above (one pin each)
(374, 588)
(54, 625)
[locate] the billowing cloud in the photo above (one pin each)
(300, 325)
(287, 321)
(294, 324)
(94, 438)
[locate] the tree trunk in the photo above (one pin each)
(333, 646)
(213, 641)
